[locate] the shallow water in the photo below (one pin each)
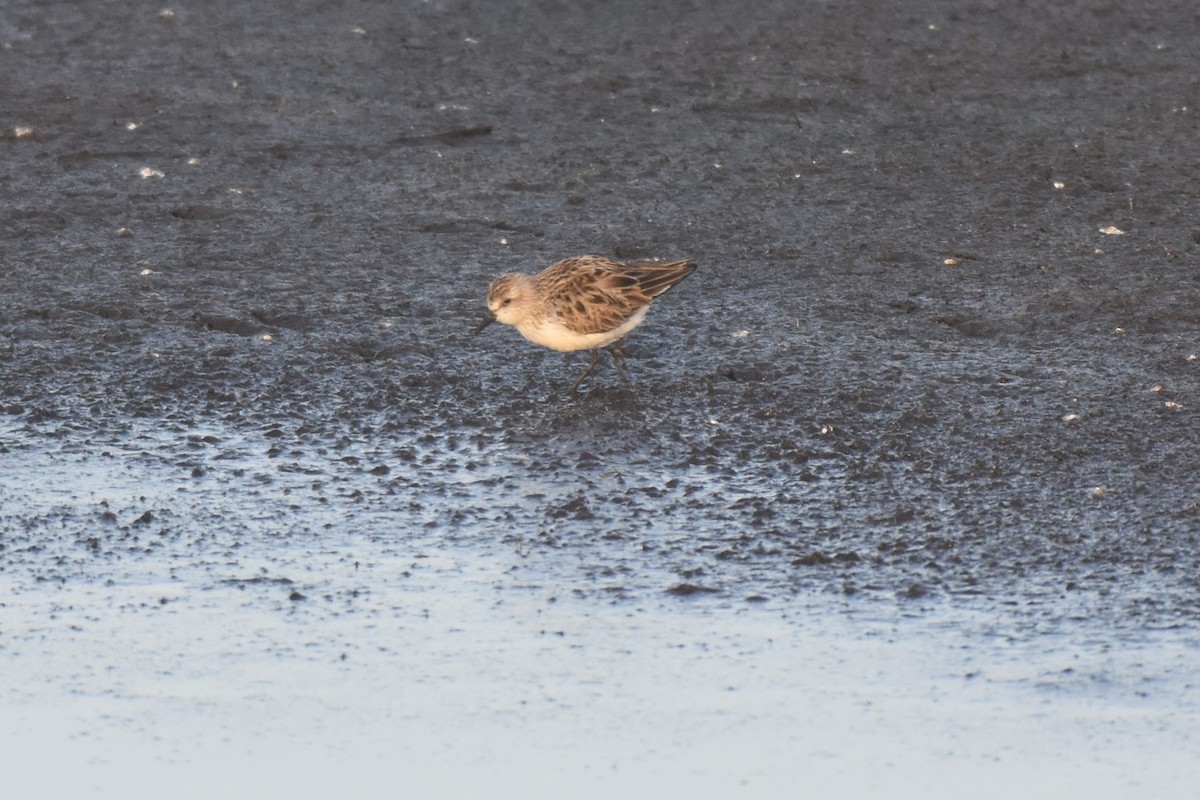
(281, 654)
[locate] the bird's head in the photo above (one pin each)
(509, 299)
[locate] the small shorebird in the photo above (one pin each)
(582, 303)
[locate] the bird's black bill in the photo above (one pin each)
(488, 321)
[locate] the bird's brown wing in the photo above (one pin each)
(588, 295)
(594, 294)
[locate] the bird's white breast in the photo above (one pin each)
(553, 334)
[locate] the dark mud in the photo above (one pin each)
(941, 348)
(909, 363)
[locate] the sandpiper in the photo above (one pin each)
(582, 303)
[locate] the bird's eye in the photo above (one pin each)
(507, 301)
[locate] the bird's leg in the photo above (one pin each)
(590, 367)
(618, 354)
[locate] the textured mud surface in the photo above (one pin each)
(940, 352)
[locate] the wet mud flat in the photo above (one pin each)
(914, 449)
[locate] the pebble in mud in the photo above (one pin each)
(690, 589)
